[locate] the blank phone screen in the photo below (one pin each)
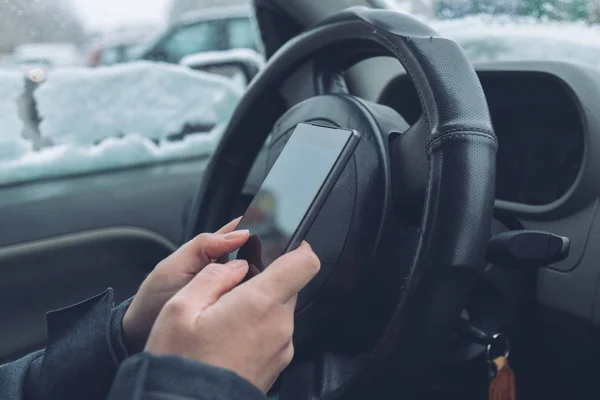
(288, 192)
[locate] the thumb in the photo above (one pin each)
(211, 283)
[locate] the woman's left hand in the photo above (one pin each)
(171, 275)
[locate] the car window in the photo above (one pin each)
(197, 38)
(241, 34)
(77, 96)
(110, 56)
(131, 52)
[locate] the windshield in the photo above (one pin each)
(89, 86)
(515, 30)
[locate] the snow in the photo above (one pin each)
(488, 38)
(122, 116)
(152, 100)
(12, 145)
(497, 38)
(111, 154)
(215, 57)
(58, 54)
(117, 117)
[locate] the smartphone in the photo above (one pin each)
(293, 192)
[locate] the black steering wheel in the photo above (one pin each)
(404, 232)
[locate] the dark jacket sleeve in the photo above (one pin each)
(152, 377)
(83, 352)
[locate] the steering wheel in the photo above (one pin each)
(403, 234)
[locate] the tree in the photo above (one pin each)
(594, 11)
(559, 10)
(462, 8)
(578, 10)
(452, 8)
(38, 21)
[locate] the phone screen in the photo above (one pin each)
(288, 192)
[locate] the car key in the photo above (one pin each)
(502, 377)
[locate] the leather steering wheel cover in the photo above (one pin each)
(460, 187)
(453, 101)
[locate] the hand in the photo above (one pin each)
(247, 328)
(172, 274)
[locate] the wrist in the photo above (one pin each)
(117, 331)
(132, 337)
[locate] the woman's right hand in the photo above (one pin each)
(247, 328)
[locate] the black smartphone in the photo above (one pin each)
(293, 192)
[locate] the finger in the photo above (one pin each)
(211, 283)
(291, 303)
(204, 248)
(230, 227)
(252, 272)
(287, 275)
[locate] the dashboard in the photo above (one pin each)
(546, 116)
(539, 129)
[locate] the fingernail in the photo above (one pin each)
(237, 264)
(237, 234)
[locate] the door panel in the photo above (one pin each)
(53, 273)
(154, 198)
(64, 240)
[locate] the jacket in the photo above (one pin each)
(86, 359)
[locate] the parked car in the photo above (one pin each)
(212, 29)
(118, 48)
(238, 64)
(113, 52)
(47, 55)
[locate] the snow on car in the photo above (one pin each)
(240, 65)
(152, 100)
(111, 154)
(110, 118)
(12, 145)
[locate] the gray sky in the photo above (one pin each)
(104, 14)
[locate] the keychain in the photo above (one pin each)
(502, 383)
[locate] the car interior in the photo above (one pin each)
(463, 225)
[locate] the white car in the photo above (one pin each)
(47, 55)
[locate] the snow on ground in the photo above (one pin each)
(497, 38)
(12, 145)
(85, 106)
